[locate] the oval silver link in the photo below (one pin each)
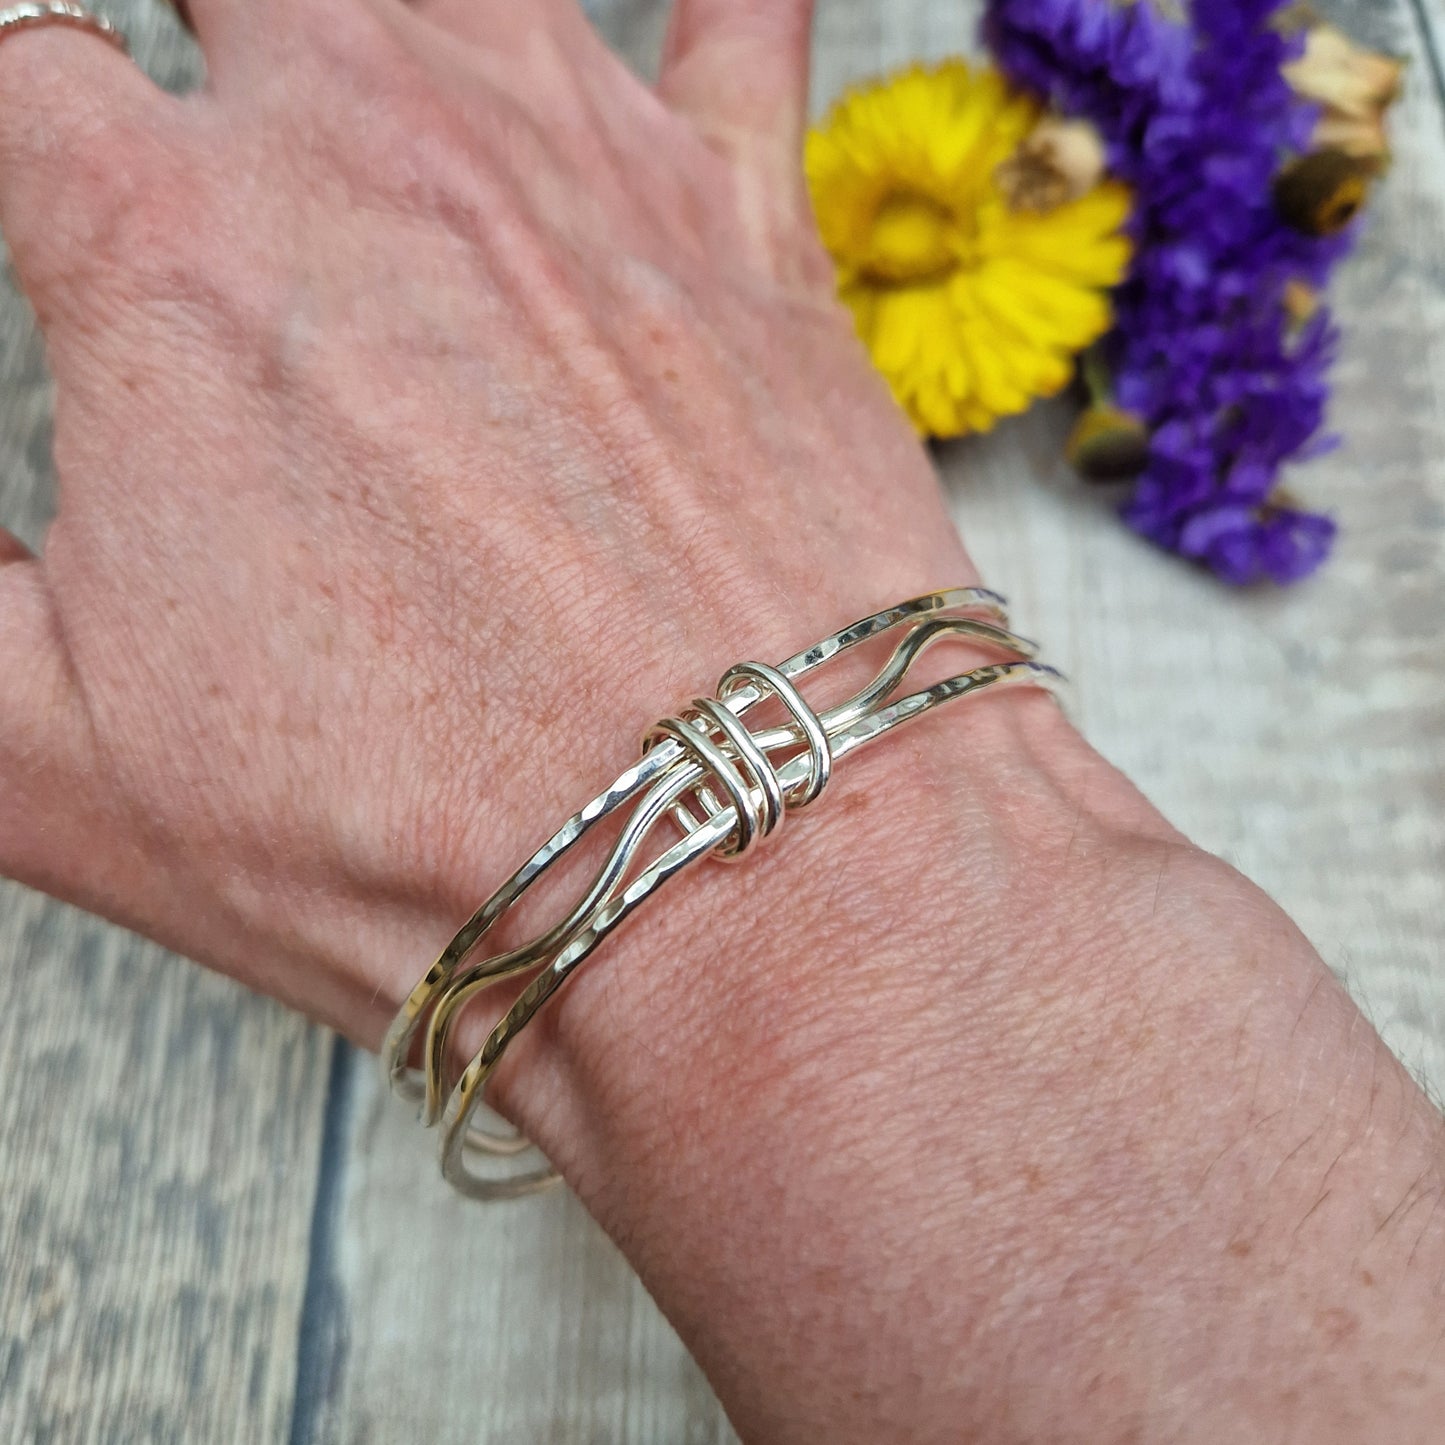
(810, 725)
(725, 773)
(758, 763)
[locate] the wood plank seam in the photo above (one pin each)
(1432, 38)
(323, 1336)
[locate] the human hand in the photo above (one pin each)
(436, 407)
(435, 403)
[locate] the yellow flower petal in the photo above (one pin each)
(970, 309)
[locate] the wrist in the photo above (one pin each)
(919, 842)
(990, 787)
(981, 1044)
(856, 721)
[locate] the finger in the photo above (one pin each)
(78, 125)
(739, 70)
(221, 27)
(500, 21)
(524, 33)
(250, 42)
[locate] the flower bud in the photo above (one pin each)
(1057, 162)
(1108, 444)
(1322, 192)
(1302, 303)
(1353, 87)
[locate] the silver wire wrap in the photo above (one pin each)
(725, 788)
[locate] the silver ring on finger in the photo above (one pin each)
(36, 14)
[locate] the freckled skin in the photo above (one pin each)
(436, 408)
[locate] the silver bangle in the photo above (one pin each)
(723, 790)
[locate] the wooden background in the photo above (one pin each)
(213, 1227)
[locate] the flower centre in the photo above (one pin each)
(913, 239)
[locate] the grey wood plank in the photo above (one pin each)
(159, 1127)
(158, 1137)
(1431, 16)
(519, 1322)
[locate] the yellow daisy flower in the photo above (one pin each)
(970, 306)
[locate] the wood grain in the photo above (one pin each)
(159, 1133)
(190, 1251)
(526, 1312)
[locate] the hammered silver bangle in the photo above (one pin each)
(718, 788)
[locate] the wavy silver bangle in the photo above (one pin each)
(721, 788)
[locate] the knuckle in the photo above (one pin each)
(347, 38)
(122, 205)
(108, 207)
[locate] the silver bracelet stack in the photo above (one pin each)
(706, 785)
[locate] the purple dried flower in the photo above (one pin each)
(1197, 119)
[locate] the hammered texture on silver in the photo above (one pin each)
(707, 785)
